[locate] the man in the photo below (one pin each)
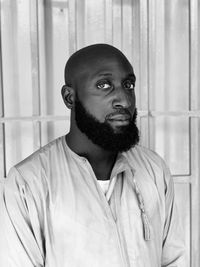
(93, 198)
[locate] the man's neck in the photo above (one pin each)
(82, 146)
(102, 161)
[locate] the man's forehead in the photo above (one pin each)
(104, 69)
(108, 67)
(96, 58)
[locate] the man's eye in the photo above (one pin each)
(128, 84)
(103, 85)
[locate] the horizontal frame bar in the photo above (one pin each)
(141, 113)
(182, 179)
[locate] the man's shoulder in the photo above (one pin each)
(35, 172)
(41, 158)
(147, 160)
(144, 154)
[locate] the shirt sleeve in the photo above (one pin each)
(173, 238)
(21, 240)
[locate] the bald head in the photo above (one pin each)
(100, 84)
(86, 58)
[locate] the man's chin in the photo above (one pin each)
(120, 130)
(118, 126)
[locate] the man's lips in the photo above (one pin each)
(120, 117)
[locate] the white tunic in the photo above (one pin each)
(54, 213)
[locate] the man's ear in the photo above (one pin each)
(68, 96)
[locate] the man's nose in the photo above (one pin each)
(123, 99)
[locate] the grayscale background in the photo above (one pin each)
(161, 38)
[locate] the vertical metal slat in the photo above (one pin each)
(195, 135)
(35, 70)
(2, 125)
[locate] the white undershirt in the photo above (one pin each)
(107, 187)
(104, 184)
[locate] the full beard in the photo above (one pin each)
(102, 134)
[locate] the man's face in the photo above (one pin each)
(105, 104)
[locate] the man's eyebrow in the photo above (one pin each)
(132, 75)
(105, 74)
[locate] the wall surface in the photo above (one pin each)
(161, 38)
